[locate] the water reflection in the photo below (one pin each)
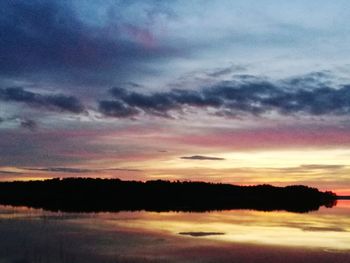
(201, 234)
(327, 228)
(31, 235)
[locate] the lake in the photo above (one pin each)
(34, 235)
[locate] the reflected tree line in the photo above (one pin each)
(95, 195)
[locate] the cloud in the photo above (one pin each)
(322, 166)
(61, 170)
(22, 122)
(78, 170)
(9, 172)
(311, 168)
(53, 39)
(202, 158)
(65, 42)
(55, 102)
(122, 169)
(323, 229)
(244, 95)
(117, 109)
(219, 72)
(29, 124)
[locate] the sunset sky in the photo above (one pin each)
(244, 92)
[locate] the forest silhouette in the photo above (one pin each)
(96, 195)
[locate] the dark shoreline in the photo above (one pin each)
(343, 197)
(98, 195)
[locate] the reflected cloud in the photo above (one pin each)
(327, 229)
(201, 234)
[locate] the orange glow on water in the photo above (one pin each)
(321, 229)
(169, 233)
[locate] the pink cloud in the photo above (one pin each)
(141, 35)
(270, 138)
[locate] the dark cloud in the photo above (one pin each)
(158, 104)
(48, 38)
(5, 172)
(117, 109)
(24, 123)
(29, 124)
(244, 95)
(219, 72)
(311, 80)
(62, 170)
(56, 102)
(202, 158)
(320, 101)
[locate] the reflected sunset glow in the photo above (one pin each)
(326, 228)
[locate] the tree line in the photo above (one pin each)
(94, 195)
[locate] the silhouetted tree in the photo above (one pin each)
(87, 194)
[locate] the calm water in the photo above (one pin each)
(30, 235)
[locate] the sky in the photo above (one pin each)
(243, 92)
